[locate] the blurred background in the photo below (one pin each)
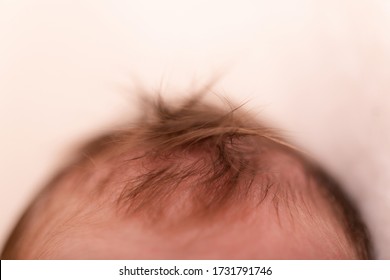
(318, 70)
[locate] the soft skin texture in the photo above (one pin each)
(301, 228)
(260, 238)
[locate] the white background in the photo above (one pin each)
(318, 69)
(301, 270)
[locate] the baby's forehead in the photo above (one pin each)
(188, 203)
(292, 219)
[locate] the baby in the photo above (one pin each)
(195, 181)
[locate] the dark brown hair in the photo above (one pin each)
(218, 151)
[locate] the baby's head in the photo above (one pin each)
(191, 182)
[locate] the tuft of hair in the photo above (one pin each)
(199, 154)
(195, 159)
